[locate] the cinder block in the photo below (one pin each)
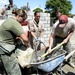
(48, 21)
(42, 18)
(47, 18)
(30, 13)
(43, 14)
(8, 12)
(30, 17)
(48, 14)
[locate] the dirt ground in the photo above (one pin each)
(68, 70)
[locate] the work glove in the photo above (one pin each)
(41, 39)
(35, 39)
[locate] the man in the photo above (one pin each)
(11, 6)
(37, 29)
(62, 32)
(58, 13)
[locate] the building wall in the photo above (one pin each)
(74, 17)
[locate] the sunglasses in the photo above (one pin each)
(23, 17)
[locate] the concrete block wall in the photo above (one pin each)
(45, 18)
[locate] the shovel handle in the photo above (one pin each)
(44, 55)
(52, 49)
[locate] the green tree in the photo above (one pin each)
(24, 7)
(38, 9)
(52, 6)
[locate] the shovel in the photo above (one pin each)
(39, 58)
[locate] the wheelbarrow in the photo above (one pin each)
(50, 62)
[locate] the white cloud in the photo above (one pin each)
(3, 2)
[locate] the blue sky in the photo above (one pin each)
(32, 3)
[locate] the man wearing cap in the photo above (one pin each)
(62, 32)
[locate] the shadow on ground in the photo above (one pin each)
(70, 73)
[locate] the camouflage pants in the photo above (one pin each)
(10, 64)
